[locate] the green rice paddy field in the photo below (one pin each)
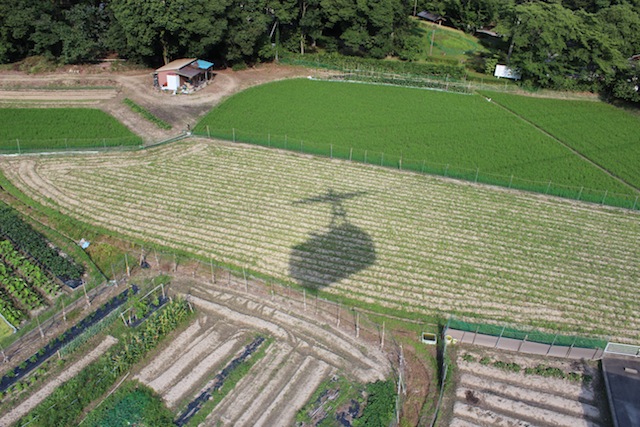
(441, 130)
(29, 129)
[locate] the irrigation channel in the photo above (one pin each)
(217, 383)
(57, 343)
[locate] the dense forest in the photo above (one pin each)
(560, 44)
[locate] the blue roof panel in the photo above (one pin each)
(204, 65)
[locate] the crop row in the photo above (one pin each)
(33, 243)
(30, 271)
(383, 237)
(19, 289)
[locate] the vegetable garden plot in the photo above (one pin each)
(440, 246)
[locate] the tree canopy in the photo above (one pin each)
(561, 44)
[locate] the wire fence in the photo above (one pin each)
(25, 146)
(603, 197)
(531, 335)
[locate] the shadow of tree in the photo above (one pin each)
(330, 255)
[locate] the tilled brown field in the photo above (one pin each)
(487, 395)
(305, 351)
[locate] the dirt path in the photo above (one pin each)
(49, 388)
(57, 89)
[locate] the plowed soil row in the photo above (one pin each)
(490, 396)
(304, 353)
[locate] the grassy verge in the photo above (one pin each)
(137, 404)
(147, 114)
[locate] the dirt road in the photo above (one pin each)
(105, 90)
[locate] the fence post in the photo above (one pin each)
(350, 153)
(548, 187)
(208, 132)
(522, 342)
(234, 134)
(552, 343)
(331, 152)
(285, 142)
(635, 203)
(510, 181)
(422, 171)
(580, 193)
(446, 170)
(18, 142)
(604, 197)
(477, 172)
(381, 159)
(498, 341)
(301, 141)
(269, 139)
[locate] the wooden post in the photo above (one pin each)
(126, 262)
(548, 188)
(510, 181)
(331, 152)
(213, 274)
(446, 170)
(40, 327)
(18, 142)
(604, 197)
(208, 133)
(246, 283)
(350, 153)
(338, 315)
(580, 193)
(304, 299)
(113, 272)
(269, 139)
(422, 171)
(357, 324)
(155, 252)
(229, 278)
(365, 156)
(175, 263)
(285, 142)
(234, 134)
(635, 203)
(64, 313)
(123, 319)
(84, 286)
(477, 172)
(382, 339)
(381, 159)
(163, 294)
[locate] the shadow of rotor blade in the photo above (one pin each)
(326, 258)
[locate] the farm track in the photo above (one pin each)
(465, 249)
(490, 396)
(305, 351)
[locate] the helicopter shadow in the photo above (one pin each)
(334, 253)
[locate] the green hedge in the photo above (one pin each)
(336, 61)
